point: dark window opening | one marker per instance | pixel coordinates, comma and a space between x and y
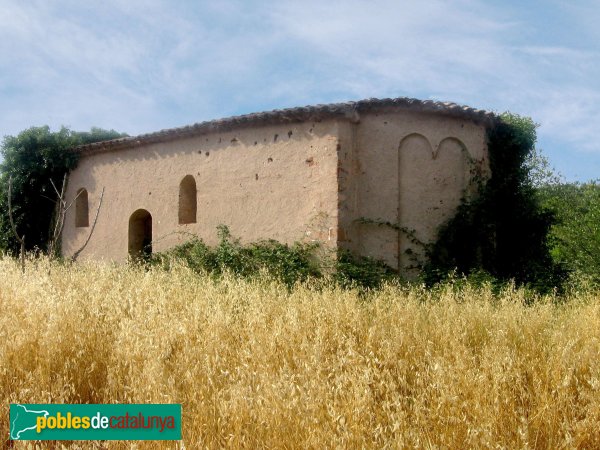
82, 216
187, 200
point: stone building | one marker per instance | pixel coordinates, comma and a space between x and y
374, 176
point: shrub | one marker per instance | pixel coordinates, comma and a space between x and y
289, 264
361, 271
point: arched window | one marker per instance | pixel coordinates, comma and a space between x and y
187, 200
140, 234
82, 216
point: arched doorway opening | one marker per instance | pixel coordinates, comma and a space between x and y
140, 234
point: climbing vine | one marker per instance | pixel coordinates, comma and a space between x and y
409, 233
503, 230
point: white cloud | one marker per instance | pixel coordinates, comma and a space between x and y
462, 51
143, 65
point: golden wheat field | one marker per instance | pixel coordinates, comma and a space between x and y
257, 366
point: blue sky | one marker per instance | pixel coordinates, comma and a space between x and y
143, 65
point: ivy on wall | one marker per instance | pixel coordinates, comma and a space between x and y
503, 230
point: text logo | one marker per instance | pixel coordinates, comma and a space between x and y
95, 422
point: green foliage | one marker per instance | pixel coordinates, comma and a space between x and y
575, 238
33, 159
363, 272
502, 231
288, 263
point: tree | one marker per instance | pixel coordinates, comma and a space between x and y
575, 237
540, 172
34, 159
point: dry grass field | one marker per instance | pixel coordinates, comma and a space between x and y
257, 366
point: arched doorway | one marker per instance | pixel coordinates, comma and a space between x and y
140, 234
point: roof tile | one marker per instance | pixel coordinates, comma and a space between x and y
347, 110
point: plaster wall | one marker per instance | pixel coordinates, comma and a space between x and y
277, 182
409, 170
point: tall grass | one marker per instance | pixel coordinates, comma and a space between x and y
256, 365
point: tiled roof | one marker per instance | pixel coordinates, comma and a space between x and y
348, 110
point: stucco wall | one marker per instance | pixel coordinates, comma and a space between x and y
303, 181
408, 169
274, 182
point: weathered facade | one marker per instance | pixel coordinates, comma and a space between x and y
374, 176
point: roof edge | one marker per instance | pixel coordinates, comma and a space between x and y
348, 110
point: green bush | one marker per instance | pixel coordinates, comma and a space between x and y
362, 272
288, 263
